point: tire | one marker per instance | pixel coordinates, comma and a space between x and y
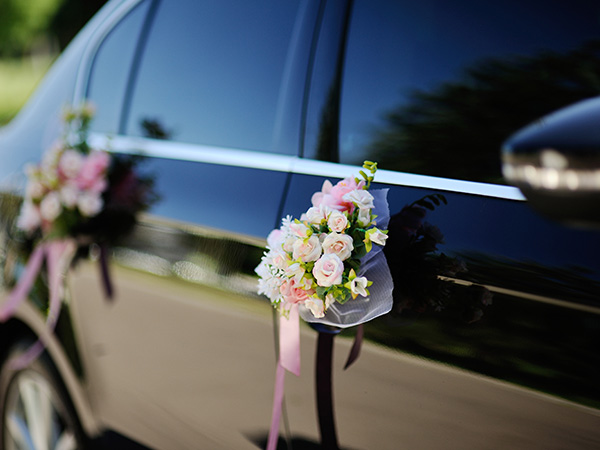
35, 411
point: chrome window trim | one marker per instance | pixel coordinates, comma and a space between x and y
98, 35
281, 163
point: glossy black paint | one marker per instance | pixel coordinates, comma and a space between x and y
538, 275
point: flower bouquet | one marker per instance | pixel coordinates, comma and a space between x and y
327, 267
76, 196
326, 262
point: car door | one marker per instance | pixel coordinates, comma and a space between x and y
482, 282
209, 95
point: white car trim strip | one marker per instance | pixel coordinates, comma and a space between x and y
282, 163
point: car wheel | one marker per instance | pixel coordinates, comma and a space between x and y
35, 410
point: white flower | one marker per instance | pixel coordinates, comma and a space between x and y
317, 214
360, 197
275, 239
316, 306
340, 245
328, 270
329, 300
280, 259
34, 190
358, 286
70, 163
300, 230
89, 204
307, 249
377, 236
69, 195
29, 218
50, 207
364, 217
337, 221
295, 271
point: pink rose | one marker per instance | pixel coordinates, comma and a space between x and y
340, 245
92, 174
294, 292
328, 270
332, 196
307, 250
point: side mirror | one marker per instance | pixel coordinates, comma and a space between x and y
555, 162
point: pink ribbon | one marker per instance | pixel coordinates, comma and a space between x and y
289, 359
58, 255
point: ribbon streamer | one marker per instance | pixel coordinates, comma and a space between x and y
104, 273
289, 359
356, 346
324, 391
58, 256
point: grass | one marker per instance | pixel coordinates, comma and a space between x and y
18, 79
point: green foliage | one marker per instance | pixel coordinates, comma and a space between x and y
23, 23
18, 78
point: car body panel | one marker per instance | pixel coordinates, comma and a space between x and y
184, 355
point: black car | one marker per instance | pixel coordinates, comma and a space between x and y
241, 110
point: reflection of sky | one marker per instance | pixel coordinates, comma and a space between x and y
398, 46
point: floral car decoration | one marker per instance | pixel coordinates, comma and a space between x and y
317, 262
327, 267
76, 196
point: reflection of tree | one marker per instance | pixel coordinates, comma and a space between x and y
417, 265
154, 129
461, 125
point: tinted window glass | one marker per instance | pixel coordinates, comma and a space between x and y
213, 71
111, 69
435, 87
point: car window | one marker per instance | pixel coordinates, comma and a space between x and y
434, 87
111, 70
213, 73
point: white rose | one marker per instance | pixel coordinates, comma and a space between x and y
275, 239
299, 229
317, 214
70, 163
328, 270
69, 195
307, 249
50, 207
360, 197
34, 190
295, 271
340, 245
316, 306
337, 221
89, 204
